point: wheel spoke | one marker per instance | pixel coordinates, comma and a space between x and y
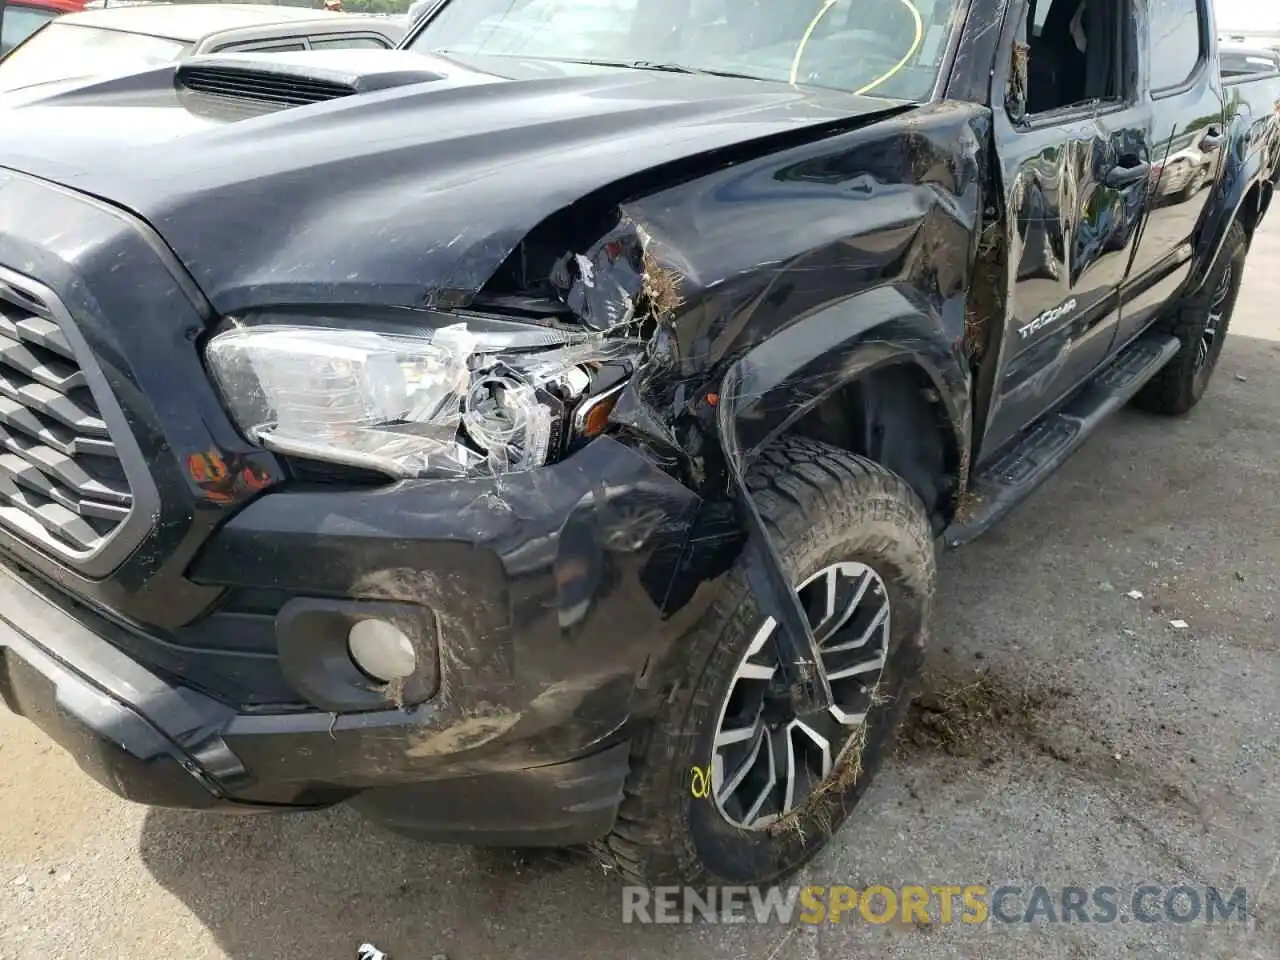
1223, 289
802, 742
857, 669
762, 635
753, 812
727, 787
833, 585
726, 737
823, 728
756, 671
821, 742
845, 718
878, 623
829, 630
789, 785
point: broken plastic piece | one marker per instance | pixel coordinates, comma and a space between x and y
368, 951
553, 367
1134, 594
505, 417
602, 285
1179, 624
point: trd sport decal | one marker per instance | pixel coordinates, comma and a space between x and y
1046, 318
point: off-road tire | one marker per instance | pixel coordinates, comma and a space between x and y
821, 505
1180, 385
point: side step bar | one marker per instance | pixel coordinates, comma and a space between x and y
1026, 462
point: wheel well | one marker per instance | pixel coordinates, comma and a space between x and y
893, 415
1255, 206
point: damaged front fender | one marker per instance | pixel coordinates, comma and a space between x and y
778, 383
800, 273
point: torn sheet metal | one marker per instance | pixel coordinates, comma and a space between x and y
799, 659
856, 257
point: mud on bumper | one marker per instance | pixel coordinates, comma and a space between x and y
163, 745
526, 739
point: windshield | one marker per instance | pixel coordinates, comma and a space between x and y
64, 51
889, 48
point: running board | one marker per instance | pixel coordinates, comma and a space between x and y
1039, 450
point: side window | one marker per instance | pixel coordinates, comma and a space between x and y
20, 23
1038, 18
277, 47
348, 43
1175, 40
265, 46
1074, 54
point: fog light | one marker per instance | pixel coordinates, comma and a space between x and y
382, 650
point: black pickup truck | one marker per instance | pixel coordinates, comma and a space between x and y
542, 434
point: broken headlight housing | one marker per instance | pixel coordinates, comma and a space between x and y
449, 401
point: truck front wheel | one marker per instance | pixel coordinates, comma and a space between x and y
1201, 326
728, 785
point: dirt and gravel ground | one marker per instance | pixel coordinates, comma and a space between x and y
1068, 735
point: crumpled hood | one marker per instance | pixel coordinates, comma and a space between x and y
398, 197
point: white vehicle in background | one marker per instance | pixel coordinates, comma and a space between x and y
130, 37
1242, 61
1254, 23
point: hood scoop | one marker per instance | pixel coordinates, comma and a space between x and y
293, 80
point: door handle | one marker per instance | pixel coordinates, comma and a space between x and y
1212, 138
1127, 175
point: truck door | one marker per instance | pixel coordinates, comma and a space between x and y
1072, 142
1187, 135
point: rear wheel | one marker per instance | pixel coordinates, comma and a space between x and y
1194, 185
773, 787
1201, 326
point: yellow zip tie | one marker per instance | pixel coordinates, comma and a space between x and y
813, 25
808, 32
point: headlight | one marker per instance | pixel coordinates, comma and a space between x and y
441, 402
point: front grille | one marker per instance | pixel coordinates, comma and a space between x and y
62, 484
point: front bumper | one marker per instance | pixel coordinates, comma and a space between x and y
526, 740
175, 755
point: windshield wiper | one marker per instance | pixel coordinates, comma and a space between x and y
656, 66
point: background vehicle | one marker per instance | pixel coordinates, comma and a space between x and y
21, 18
1242, 61
120, 40
1189, 167
1248, 22
496, 431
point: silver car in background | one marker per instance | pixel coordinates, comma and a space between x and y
126, 39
